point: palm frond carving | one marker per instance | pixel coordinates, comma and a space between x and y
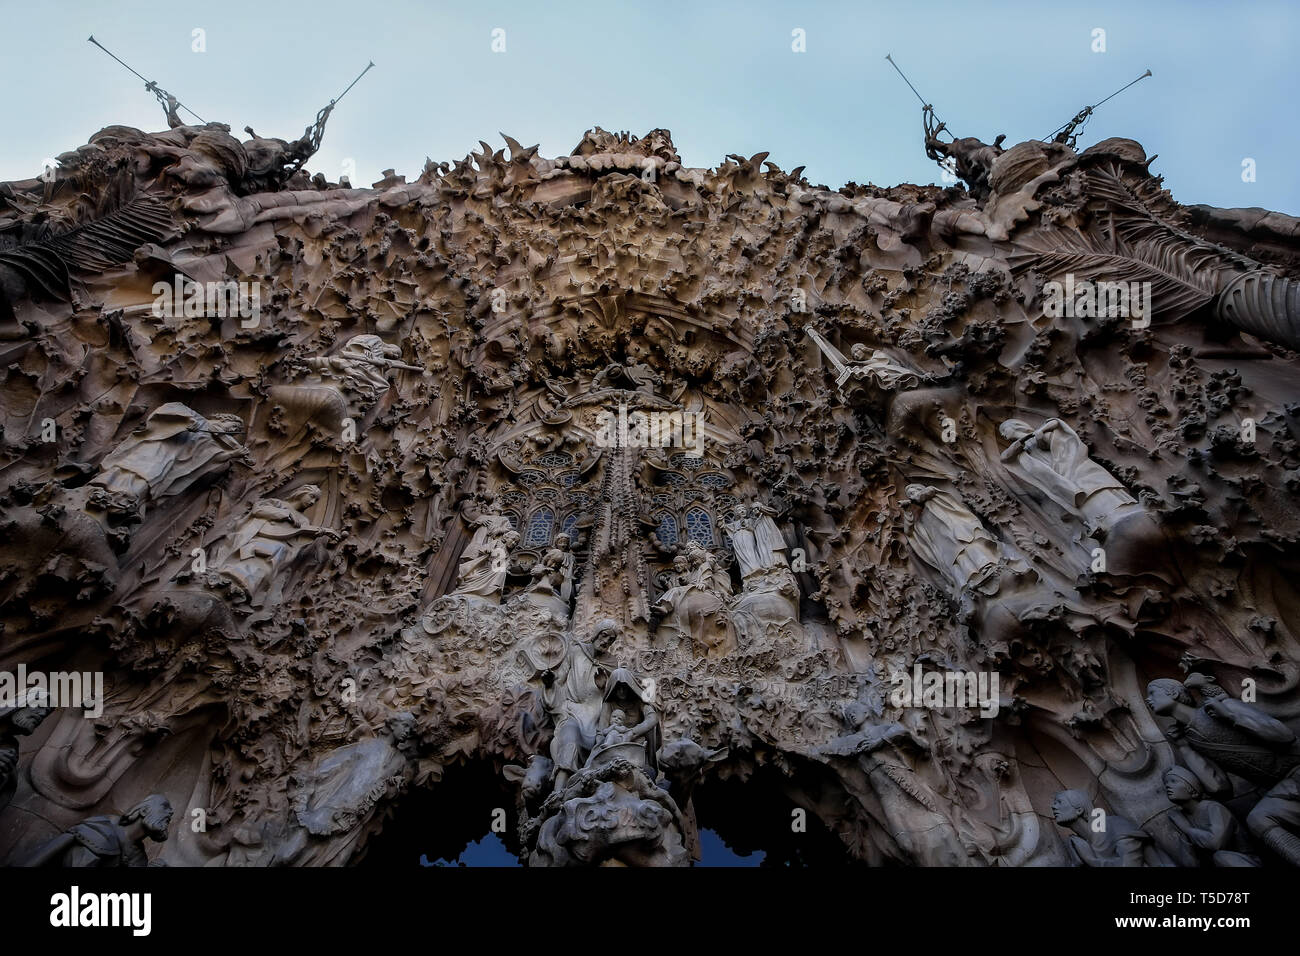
45, 265
1184, 276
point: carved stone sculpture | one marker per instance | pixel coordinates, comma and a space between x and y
110, 840
1093, 498
694, 609
266, 541
1208, 825
1054, 460
1105, 840
946, 535
15, 722
176, 448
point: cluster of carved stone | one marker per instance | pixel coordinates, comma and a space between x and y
382, 531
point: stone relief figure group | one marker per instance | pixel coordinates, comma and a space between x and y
1229, 755
248, 558
629, 300
1053, 465
699, 606
1215, 739
597, 798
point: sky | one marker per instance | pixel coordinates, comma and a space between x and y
490, 851
724, 77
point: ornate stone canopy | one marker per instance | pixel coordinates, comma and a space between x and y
626, 481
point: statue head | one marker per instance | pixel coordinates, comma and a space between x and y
224, 423
510, 539
1069, 805
304, 497
1013, 429
915, 492
616, 718
367, 347
562, 541
858, 352
680, 563
1181, 785
1164, 693
154, 813
606, 632
740, 512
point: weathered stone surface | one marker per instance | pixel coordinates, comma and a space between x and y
625, 479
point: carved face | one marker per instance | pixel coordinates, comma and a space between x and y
1163, 695
741, 512
1013, 429
155, 814
605, 634
616, 719
1068, 806
225, 424
1178, 788
306, 496
562, 542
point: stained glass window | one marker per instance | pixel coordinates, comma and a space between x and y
699, 527
546, 494
672, 478
555, 459
713, 480
531, 477
570, 527
667, 529
687, 462
539, 528
513, 519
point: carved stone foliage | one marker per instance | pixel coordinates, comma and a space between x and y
964, 519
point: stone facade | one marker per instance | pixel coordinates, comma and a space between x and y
965, 520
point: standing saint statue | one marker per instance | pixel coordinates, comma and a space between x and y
755, 539
947, 535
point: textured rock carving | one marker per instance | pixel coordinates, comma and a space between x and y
620, 482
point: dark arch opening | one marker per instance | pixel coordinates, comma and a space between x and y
749, 824
449, 824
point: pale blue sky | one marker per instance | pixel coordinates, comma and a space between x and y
720, 75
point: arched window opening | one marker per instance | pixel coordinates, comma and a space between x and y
667, 530
699, 527
539, 528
